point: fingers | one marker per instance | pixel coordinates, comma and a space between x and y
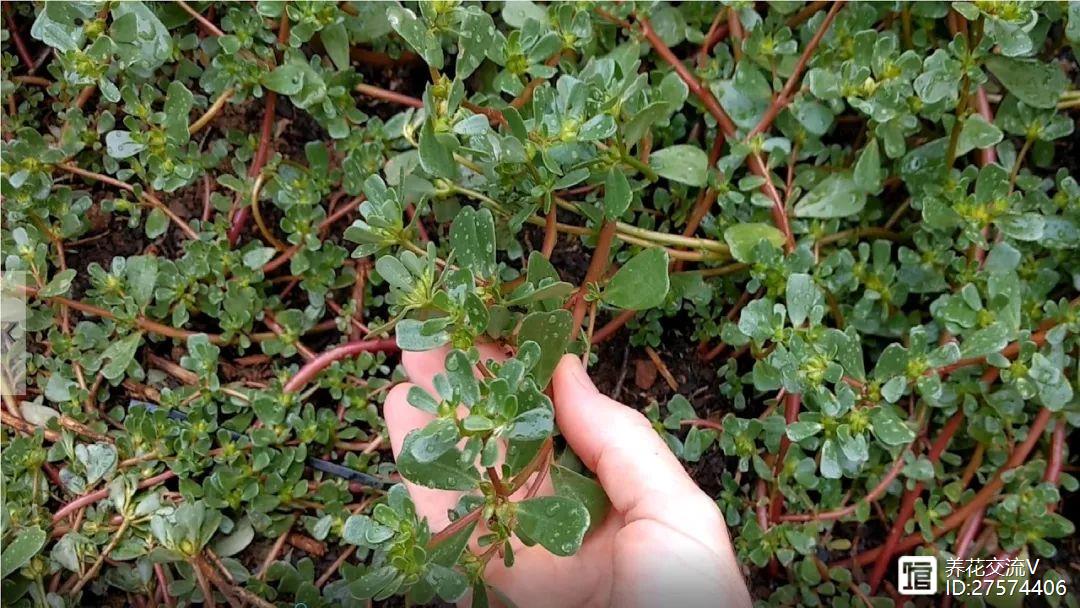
658, 567
401, 419
423, 366
641, 476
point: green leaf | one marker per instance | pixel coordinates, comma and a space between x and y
516, 13
617, 194
157, 222
477, 34
802, 296
532, 425
746, 96
584, 489
867, 173
988, 340
1034, 82
287, 79
422, 400
59, 284
889, 428
373, 582
551, 332
119, 356
742, 238
472, 237
681, 163
434, 440
335, 40
152, 39
831, 458
558, 523
23, 547
59, 24
178, 103
444, 473
449, 551
641, 283
237, 541
416, 34
141, 275
977, 133
97, 459
363, 531
120, 145
797, 431
450, 584
415, 335
436, 157
644, 120
1022, 226
835, 196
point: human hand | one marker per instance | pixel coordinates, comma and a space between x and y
663, 543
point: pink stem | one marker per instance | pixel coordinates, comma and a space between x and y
93, 497
321, 362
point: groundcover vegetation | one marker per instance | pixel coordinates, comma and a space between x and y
829, 250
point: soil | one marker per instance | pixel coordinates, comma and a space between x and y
617, 371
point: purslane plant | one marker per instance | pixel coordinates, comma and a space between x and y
851, 230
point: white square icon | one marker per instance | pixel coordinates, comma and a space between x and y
917, 575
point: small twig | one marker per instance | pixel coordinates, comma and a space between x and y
597, 267
163, 585
212, 111
20, 46
390, 96
662, 368
203, 21
94, 497
312, 368
335, 566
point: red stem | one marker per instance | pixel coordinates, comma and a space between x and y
985, 495
595, 272
312, 368
93, 497
727, 127
1051, 475
20, 46
613, 326
551, 234
968, 534
873, 495
717, 31
907, 503
735, 30
792, 404
786, 93
390, 96
240, 220
163, 584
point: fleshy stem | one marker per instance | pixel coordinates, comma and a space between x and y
597, 267
146, 195
726, 125
1016, 458
240, 219
312, 368
907, 503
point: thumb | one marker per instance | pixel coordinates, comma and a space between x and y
640, 475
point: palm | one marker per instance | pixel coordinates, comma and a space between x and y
663, 543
